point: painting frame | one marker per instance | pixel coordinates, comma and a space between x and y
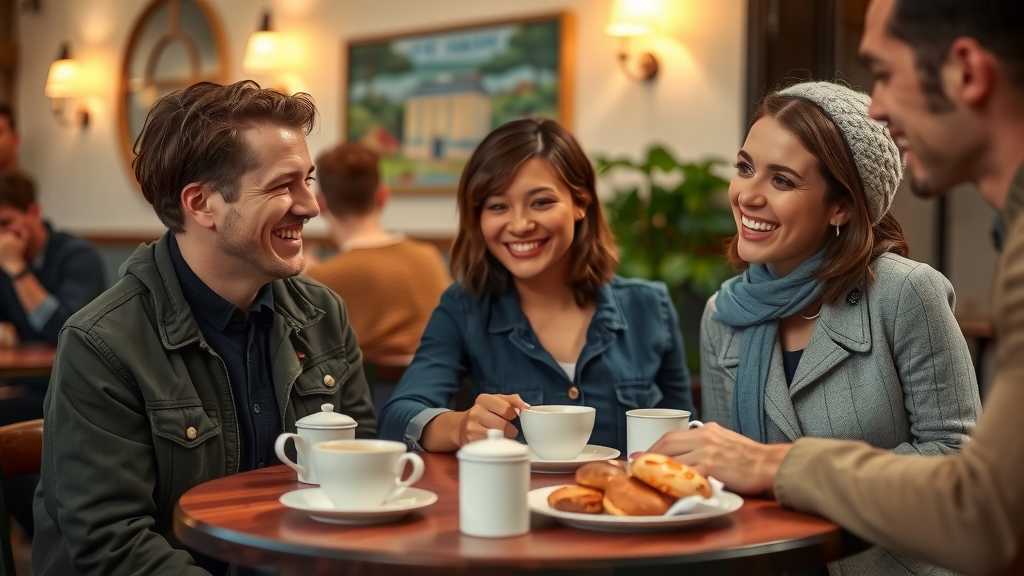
405, 184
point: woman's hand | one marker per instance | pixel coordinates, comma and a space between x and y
490, 411
744, 465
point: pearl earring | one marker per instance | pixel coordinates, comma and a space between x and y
837, 230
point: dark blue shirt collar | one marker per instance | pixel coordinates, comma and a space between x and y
507, 313
208, 306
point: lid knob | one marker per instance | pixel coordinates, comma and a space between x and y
327, 407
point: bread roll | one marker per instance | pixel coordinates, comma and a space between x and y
669, 477
577, 499
631, 497
599, 474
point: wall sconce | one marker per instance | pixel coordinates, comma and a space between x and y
263, 50
64, 85
632, 19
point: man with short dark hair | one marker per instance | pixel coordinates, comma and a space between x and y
48, 275
949, 81
208, 346
390, 283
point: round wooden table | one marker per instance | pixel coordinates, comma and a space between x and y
239, 519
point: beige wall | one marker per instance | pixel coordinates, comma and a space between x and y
695, 106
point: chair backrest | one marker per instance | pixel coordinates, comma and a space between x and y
21, 447
383, 374
21, 452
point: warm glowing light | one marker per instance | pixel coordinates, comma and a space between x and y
635, 17
263, 53
64, 79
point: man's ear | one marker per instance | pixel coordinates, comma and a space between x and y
381, 196
969, 73
34, 210
197, 204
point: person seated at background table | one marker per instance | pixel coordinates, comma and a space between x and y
48, 274
831, 331
537, 315
389, 283
206, 349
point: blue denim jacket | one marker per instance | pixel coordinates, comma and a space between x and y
633, 358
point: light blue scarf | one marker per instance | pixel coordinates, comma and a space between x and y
752, 303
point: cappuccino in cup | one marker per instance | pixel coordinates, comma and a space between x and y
364, 474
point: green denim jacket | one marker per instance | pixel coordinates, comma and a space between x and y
140, 409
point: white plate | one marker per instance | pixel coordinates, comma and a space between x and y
538, 500
315, 503
592, 453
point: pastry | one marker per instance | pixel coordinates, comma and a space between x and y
599, 474
631, 497
669, 477
577, 499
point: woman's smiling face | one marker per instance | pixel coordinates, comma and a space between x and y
530, 226
779, 199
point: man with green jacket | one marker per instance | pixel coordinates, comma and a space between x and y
205, 350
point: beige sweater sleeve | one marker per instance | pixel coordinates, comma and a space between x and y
966, 511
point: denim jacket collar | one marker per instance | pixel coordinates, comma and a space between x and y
508, 313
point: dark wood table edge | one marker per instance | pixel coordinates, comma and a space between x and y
259, 552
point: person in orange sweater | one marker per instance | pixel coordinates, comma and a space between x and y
390, 283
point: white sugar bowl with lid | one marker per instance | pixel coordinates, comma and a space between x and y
494, 479
314, 428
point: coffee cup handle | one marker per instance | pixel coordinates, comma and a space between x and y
414, 476
279, 445
695, 424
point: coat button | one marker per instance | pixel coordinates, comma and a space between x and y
328, 380
191, 433
574, 393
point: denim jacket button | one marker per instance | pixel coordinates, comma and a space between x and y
574, 393
191, 433
328, 380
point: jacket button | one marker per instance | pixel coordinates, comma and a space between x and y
191, 433
328, 380
574, 393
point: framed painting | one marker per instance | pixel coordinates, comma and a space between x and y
424, 100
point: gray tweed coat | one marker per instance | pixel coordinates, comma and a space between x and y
887, 364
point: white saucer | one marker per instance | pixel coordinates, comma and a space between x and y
315, 503
592, 453
538, 500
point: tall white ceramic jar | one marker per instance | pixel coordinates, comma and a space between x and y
494, 479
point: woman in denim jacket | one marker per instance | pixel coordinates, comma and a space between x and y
537, 315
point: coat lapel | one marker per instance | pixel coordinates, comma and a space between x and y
844, 328
778, 403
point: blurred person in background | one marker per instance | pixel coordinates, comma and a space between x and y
9, 139
389, 283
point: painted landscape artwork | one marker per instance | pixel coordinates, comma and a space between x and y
424, 101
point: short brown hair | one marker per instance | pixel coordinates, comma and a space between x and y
194, 135
491, 170
17, 190
349, 178
848, 256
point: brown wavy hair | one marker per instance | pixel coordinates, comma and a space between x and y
195, 135
491, 170
848, 257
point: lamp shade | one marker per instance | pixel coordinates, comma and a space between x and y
63, 80
263, 52
634, 17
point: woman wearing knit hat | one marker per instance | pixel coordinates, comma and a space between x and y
830, 331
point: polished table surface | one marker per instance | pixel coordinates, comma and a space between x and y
239, 519
27, 360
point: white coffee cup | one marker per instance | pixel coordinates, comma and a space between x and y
360, 474
557, 432
645, 426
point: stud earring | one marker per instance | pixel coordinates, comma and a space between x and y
837, 230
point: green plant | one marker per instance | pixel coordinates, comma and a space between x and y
670, 222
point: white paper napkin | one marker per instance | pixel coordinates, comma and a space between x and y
698, 503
